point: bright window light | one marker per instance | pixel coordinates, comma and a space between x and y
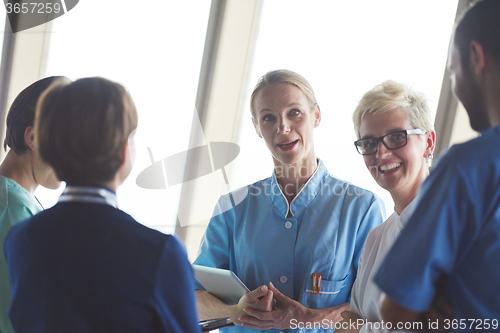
3, 18
155, 50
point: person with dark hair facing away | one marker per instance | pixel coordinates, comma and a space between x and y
84, 265
452, 241
21, 172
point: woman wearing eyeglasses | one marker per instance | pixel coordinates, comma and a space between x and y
397, 139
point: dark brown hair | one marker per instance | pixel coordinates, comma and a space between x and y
22, 114
481, 23
82, 127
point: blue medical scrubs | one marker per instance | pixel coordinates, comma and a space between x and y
16, 205
454, 232
331, 219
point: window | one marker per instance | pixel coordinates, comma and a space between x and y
3, 19
154, 49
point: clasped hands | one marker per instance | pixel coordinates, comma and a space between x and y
257, 309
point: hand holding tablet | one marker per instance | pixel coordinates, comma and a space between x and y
221, 283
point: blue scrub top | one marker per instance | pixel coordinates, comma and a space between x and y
331, 219
454, 231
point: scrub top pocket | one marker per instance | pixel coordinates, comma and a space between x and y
328, 292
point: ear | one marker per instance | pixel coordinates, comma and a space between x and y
431, 143
477, 60
257, 130
317, 116
124, 154
29, 137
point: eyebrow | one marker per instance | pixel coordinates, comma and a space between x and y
397, 129
287, 106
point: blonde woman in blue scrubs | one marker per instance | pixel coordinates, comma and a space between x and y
298, 222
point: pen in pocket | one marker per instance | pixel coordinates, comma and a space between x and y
316, 283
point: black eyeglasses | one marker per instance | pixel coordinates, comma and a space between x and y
391, 141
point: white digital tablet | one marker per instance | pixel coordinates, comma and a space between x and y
221, 283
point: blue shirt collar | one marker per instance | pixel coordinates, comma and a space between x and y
305, 196
490, 131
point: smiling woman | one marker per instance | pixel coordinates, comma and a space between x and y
397, 140
401, 168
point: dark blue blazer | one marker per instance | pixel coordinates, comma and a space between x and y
85, 267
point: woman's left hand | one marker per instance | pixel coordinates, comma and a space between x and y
279, 318
349, 324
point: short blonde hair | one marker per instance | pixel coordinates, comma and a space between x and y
283, 76
390, 95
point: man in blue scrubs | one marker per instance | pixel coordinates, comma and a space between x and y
454, 235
